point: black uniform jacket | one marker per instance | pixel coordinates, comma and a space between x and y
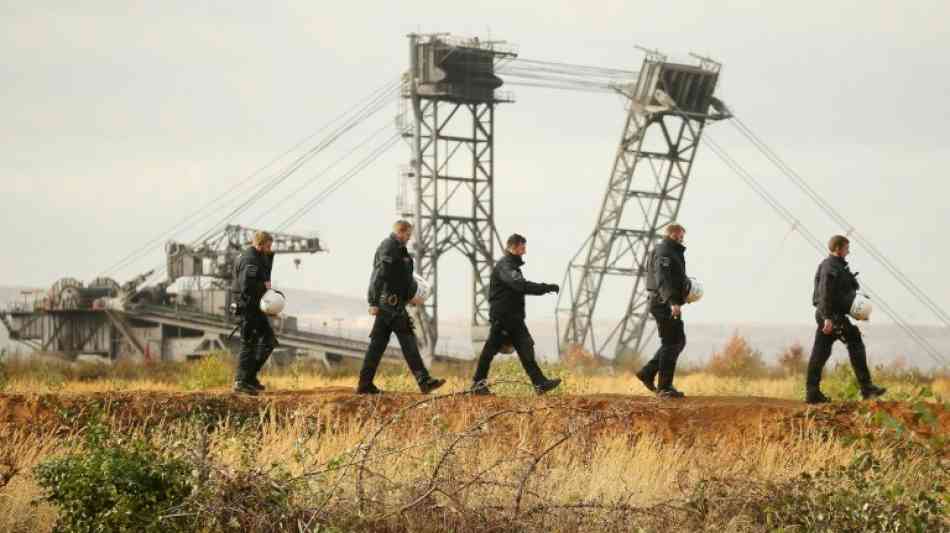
667, 273
508, 287
251, 271
392, 275
835, 288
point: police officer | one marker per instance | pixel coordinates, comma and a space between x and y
669, 286
252, 273
507, 290
835, 290
391, 288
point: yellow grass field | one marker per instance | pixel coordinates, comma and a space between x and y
739, 454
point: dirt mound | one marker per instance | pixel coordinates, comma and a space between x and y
707, 419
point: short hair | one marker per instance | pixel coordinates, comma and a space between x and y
515, 240
837, 242
261, 238
401, 224
674, 228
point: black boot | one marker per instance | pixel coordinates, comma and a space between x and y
256, 383
547, 385
815, 396
368, 389
669, 393
646, 379
242, 387
429, 384
872, 391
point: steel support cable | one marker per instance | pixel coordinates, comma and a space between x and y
570, 85
816, 243
354, 171
342, 180
295, 193
560, 80
549, 79
571, 66
369, 110
205, 209
829, 210
562, 76
378, 103
513, 70
599, 90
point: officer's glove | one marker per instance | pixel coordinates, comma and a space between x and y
553, 287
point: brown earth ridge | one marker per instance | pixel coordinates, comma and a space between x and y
701, 420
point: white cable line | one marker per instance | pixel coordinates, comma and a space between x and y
829, 210
339, 182
205, 210
378, 103
816, 243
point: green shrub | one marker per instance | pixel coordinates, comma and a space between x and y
841, 384
211, 371
89, 371
856, 497
862, 496
113, 485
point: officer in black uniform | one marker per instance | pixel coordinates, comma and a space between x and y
835, 289
391, 288
669, 286
252, 273
506, 298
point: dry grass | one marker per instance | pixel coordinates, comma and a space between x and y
613, 467
462, 461
584, 382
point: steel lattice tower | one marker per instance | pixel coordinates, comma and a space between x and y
668, 108
449, 189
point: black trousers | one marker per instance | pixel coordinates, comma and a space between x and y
257, 343
389, 321
850, 335
513, 330
672, 342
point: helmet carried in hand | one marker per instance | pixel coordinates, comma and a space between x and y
423, 289
861, 307
695, 292
272, 303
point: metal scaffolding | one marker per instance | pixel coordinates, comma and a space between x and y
668, 108
449, 187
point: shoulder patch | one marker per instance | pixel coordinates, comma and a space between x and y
665, 262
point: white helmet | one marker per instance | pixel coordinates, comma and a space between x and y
861, 307
423, 289
272, 303
695, 292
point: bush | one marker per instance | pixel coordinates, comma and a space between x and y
857, 497
246, 499
113, 485
580, 361
841, 384
862, 496
211, 371
737, 359
793, 361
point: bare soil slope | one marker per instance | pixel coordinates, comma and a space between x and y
699, 420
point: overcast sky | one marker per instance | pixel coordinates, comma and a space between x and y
121, 118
